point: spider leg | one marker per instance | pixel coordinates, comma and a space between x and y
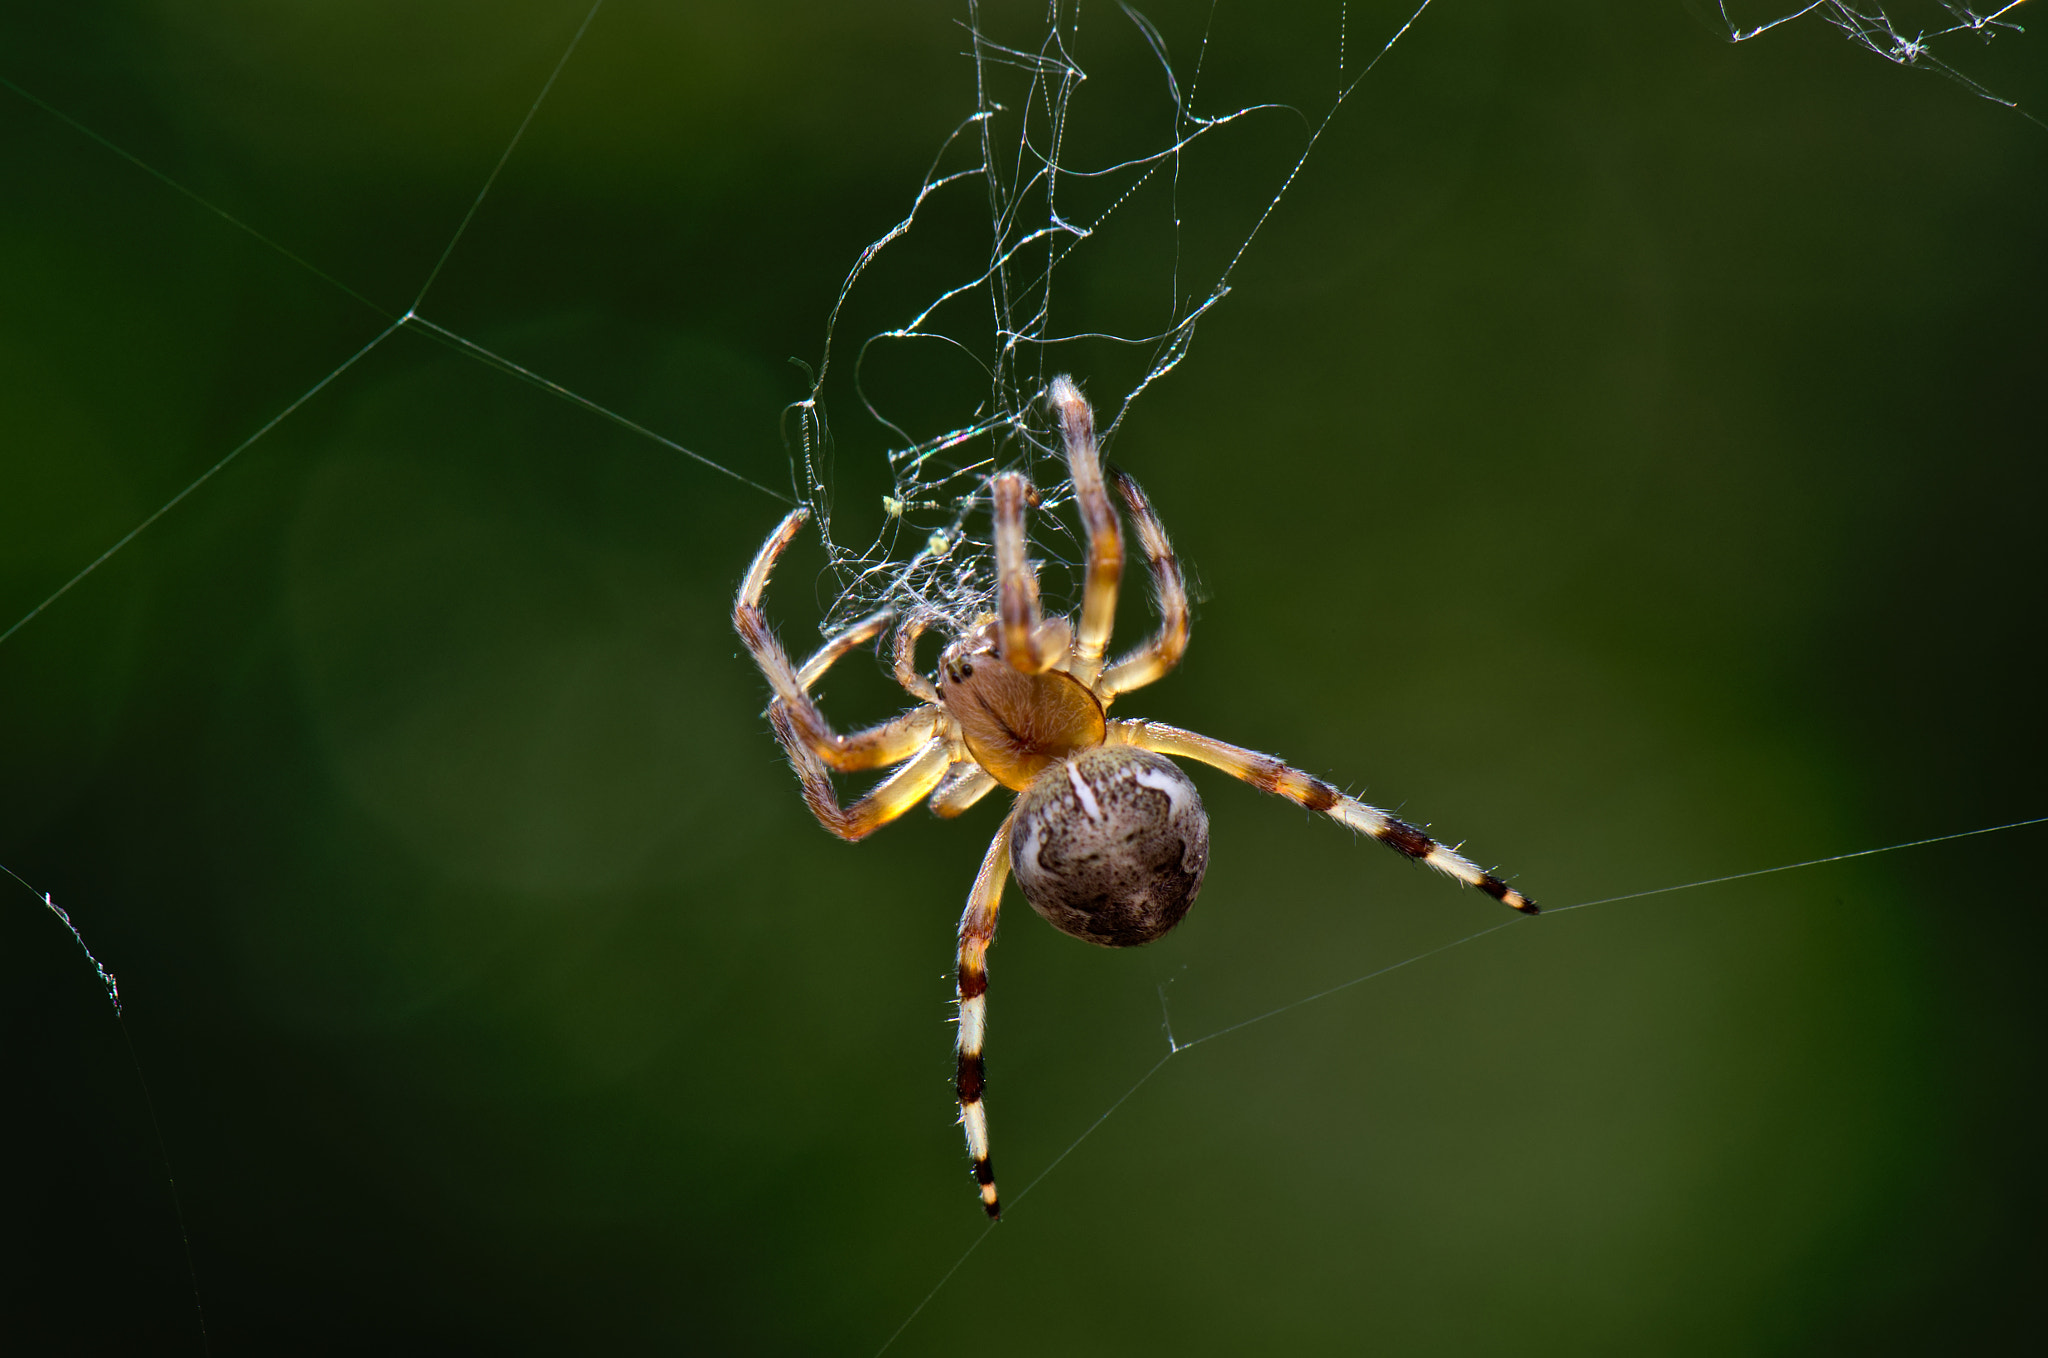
887, 742
1098, 517
1268, 774
966, 784
1055, 642
1152, 660
882, 803
904, 659
977, 930
836, 647
1017, 608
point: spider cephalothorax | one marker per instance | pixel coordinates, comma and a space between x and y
1108, 838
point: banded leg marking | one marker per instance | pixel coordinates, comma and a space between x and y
977, 931
1098, 518
1017, 606
1268, 774
1164, 651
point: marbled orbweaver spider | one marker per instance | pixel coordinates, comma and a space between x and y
1108, 837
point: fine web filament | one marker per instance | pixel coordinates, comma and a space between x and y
927, 471
156, 1131
410, 318
1175, 1047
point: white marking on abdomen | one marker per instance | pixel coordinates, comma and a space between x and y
1176, 789
1085, 793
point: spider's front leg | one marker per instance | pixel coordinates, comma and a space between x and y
1098, 518
1164, 650
903, 658
1019, 615
839, 645
885, 743
977, 930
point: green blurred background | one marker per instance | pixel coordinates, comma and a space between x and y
1622, 450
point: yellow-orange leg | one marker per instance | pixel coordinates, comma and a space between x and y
1163, 651
888, 799
837, 646
1017, 608
1268, 774
885, 743
903, 661
977, 930
966, 784
1098, 518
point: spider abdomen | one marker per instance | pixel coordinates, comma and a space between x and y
1110, 845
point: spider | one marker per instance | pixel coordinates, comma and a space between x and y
1108, 838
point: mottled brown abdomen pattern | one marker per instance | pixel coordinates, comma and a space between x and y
1110, 845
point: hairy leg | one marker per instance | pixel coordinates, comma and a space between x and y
1268, 774
1152, 660
1017, 608
966, 784
884, 802
903, 659
1098, 517
977, 930
838, 646
886, 743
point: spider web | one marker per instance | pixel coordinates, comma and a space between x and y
1068, 198
1920, 42
1043, 201
1064, 200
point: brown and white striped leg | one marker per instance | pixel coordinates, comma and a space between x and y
1268, 774
1098, 518
977, 930
1162, 652
885, 743
888, 799
1017, 608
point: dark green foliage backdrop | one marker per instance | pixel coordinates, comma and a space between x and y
1622, 449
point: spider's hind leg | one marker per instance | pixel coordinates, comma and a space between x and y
977, 931
1268, 774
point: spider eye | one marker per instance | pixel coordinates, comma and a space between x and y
1110, 845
